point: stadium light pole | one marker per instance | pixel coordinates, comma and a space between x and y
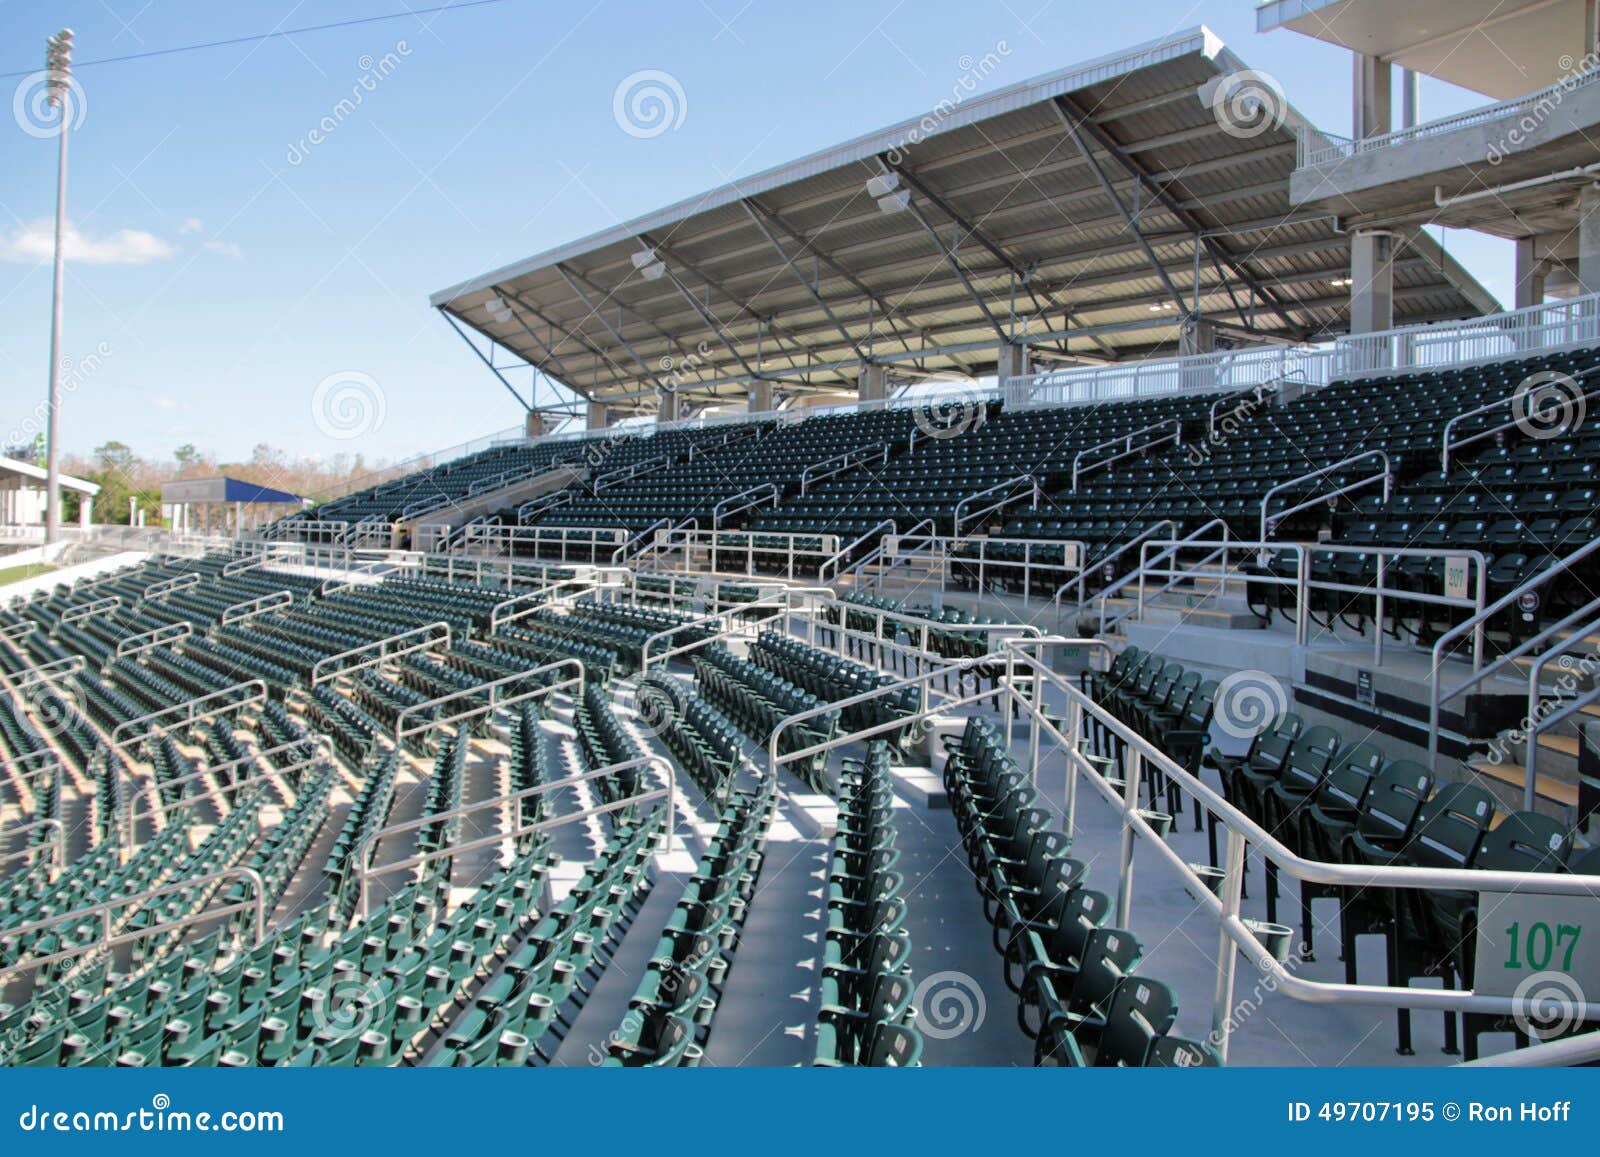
58, 65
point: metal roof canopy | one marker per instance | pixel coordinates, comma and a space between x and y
1078, 213
224, 490
1501, 48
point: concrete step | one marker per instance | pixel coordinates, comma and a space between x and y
1514, 775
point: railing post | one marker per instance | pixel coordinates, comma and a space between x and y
1074, 758
1227, 951
1132, 773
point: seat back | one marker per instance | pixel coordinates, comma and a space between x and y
894, 1046
1451, 826
1176, 1052
1141, 1010
1525, 842
1390, 808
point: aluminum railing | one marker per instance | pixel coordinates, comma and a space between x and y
839, 463
1270, 520
47, 672
250, 608
1540, 721
1104, 564
107, 605
428, 637
523, 605
56, 848
1475, 626
492, 698
1017, 488
304, 754
1242, 405
167, 586
832, 566
1575, 404
104, 912
361, 856
237, 697
1126, 449
746, 547
160, 637
728, 619
1236, 937
588, 541
1169, 550
744, 500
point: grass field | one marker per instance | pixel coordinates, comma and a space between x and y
16, 574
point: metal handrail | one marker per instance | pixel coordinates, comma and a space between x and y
843, 554
1446, 445
1258, 393
639, 543
167, 586
190, 713
1387, 478
721, 511
56, 847
1128, 448
734, 613
425, 638
90, 609
1583, 1049
362, 854
1475, 624
320, 747
105, 908
525, 604
844, 462
625, 473
145, 640
1083, 577
1241, 830
1008, 484
47, 672
16, 632
1538, 724
250, 608
493, 702
1170, 550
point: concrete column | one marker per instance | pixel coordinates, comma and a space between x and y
1410, 98
1530, 274
1012, 362
1197, 336
534, 425
873, 383
599, 419
85, 511
1373, 112
1589, 239
759, 398
1371, 282
671, 406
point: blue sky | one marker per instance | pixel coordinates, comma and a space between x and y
227, 265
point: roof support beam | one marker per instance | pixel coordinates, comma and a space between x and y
1072, 115
611, 329
716, 326
567, 334
755, 219
493, 369
955, 265
1127, 216
1024, 277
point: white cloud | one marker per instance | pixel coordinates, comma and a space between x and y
224, 248
34, 244
190, 225
163, 402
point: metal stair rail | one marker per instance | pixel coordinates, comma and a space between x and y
495, 694
1173, 434
839, 463
1269, 523
250, 608
639, 543
1169, 550
237, 697
832, 566
1019, 487
1523, 396
362, 856
56, 848
428, 637
729, 619
103, 912
160, 637
304, 753
1103, 564
167, 586
744, 500
1540, 721
108, 605
1475, 625
1235, 936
